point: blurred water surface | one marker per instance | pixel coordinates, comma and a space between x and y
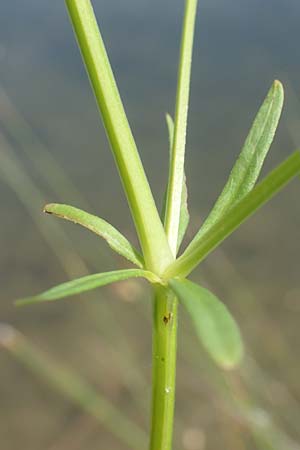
47, 112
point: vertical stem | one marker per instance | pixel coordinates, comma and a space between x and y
150, 230
164, 368
165, 302
176, 174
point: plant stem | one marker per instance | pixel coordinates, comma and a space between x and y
164, 368
150, 230
164, 346
176, 174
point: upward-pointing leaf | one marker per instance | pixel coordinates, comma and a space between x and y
263, 192
87, 283
184, 213
99, 226
247, 168
176, 172
170, 125
214, 325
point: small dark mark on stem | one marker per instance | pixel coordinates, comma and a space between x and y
167, 318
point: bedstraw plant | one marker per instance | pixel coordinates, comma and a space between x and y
160, 236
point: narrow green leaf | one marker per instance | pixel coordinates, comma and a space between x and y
170, 125
149, 227
248, 166
184, 213
263, 192
214, 325
176, 173
87, 283
99, 226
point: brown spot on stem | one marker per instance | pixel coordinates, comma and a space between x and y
167, 318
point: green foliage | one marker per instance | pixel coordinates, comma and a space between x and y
184, 217
153, 240
113, 237
176, 172
239, 199
214, 325
264, 191
247, 168
87, 283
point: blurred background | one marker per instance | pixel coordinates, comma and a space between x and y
53, 148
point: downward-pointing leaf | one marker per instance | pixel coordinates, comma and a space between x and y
87, 283
99, 226
214, 325
248, 166
263, 192
184, 213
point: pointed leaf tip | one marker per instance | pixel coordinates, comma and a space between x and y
263, 192
113, 237
214, 325
247, 168
87, 283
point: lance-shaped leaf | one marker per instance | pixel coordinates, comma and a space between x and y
214, 325
87, 283
184, 213
99, 226
263, 192
248, 166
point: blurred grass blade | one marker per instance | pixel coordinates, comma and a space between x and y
99, 226
248, 165
214, 325
72, 386
17, 127
149, 227
87, 283
176, 172
32, 197
184, 213
263, 192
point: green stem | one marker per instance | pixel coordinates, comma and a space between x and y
164, 368
176, 174
150, 230
165, 302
